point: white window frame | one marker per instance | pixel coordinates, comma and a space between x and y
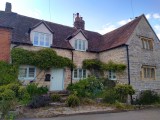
111, 74
80, 45
44, 39
78, 74
27, 73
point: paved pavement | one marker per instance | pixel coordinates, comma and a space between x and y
151, 114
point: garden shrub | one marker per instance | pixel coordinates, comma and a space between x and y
32, 89
14, 87
123, 90
110, 96
23, 95
148, 97
8, 73
42, 90
39, 101
72, 101
55, 97
7, 95
88, 87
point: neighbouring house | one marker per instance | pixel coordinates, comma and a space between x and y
135, 44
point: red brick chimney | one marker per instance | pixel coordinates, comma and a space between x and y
79, 23
5, 36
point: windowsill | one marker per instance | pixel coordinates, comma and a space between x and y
80, 50
147, 49
27, 78
42, 46
148, 79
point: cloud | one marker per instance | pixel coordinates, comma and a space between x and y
123, 22
148, 16
156, 16
157, 29
107, 28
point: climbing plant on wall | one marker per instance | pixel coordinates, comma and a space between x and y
98, 65
43, 59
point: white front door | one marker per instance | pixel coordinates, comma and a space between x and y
57, 79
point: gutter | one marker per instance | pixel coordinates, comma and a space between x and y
129, 81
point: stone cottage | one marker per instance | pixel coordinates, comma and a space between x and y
135, 44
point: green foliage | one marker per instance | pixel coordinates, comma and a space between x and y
148, 97
72, 101
14, 87
88, 87
42, 90
23, 95
123, 90
6, 105
110, 96
108, 83
55, 97
34, 90
7, 95
43, 59
98, 65
8, 73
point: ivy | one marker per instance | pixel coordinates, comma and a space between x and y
98, 65
8, 73
43, 59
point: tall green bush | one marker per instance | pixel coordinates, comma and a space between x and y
123, 90
88, 87
8, 73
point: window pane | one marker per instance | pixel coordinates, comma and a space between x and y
75, 74
152, 73
76, 44
84, 74
80, 73
145, 72
35, 41
41, 39
83, 45
47, 40
80, 45
23, 72
148, 72
31, 72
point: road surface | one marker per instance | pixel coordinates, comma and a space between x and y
151, 114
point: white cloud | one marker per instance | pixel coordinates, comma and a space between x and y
157, 29
156, 16
123, 22
106, 28
148, 16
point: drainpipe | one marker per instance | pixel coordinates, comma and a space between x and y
71, 67
129, 82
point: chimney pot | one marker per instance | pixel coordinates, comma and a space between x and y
8, 7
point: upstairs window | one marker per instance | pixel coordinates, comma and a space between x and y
148, 73
147, 43
41, 39
80, 45
111, 75
27, 73
79, 74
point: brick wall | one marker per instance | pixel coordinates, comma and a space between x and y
5, 36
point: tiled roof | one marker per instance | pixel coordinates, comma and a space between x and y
96, 42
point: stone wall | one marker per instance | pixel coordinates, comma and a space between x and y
117, 55
78, 58
139, 56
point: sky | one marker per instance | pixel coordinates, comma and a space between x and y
99, 15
